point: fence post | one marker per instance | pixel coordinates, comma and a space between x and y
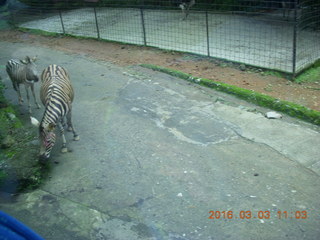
95, 16
143, 27
294, 52
63, 30
207, 29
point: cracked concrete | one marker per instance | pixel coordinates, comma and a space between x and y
157, 154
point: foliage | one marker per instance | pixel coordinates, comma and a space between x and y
310, 15
310, 9
19, 169
223, 5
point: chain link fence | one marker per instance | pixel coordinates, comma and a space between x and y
278, 35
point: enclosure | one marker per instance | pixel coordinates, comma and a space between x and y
161, 157
279, 35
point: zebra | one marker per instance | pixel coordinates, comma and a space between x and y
23, 72
56, 94
288, 6
185, 6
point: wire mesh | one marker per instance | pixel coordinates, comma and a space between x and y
281, 35
308, 34
174, 34
120, 24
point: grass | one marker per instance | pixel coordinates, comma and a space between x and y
273, 73
310, 75
19, 168
289, 108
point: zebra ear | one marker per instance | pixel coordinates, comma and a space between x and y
28, 59
34, 59
25, 61
35, 122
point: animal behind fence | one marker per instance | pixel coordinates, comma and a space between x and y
185, 6
23, 72
57, 95
288, 6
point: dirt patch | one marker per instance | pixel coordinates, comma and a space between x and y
306, 94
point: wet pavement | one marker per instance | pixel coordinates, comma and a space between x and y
161, 158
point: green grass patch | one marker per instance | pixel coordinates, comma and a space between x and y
54, 34
8, 119
273, 73
3, 174
292, 109
39, 32
310, 75
19, 168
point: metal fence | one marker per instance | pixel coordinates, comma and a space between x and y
279, 35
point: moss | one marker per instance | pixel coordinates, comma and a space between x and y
273, 73
34, 177
3, 176
19, 168
54, 34
292, 109
39, 32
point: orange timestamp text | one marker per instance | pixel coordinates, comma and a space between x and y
247, 214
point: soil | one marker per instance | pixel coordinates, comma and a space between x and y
306, 94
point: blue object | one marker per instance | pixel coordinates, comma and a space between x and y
12, 229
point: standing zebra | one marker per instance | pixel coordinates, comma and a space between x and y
288, 6
23, 72
56, 94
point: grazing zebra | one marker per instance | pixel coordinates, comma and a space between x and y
185, 6
23, 72
56, 94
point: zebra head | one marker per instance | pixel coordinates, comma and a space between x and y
30, 69
47, 137
47, 140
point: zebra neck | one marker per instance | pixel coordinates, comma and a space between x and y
49, 117
55, 110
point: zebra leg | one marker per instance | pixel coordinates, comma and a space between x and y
28, 99
187, 13
184, 13
71, 128
63, 122
20, 99
34, 96
64, 148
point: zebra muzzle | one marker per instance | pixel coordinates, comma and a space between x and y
43, 157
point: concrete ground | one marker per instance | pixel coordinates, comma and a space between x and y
160, 158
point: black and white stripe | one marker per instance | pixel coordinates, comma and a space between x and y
56, 94
23, 72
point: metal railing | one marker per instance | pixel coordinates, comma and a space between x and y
279, 35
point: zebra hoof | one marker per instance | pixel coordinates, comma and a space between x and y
76, 138
64, 150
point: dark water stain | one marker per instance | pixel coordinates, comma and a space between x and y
142, 230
